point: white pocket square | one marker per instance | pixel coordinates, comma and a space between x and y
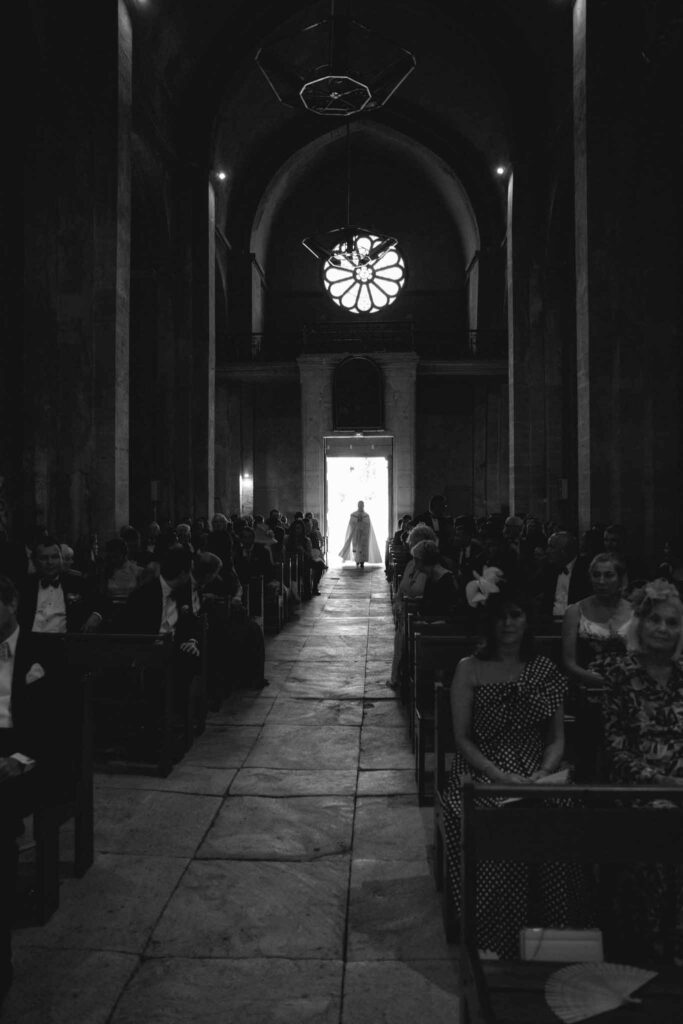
35, 672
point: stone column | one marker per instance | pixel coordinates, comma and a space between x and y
77, 272
203, 424
400, 374
525, 352
627, 185
111, 268
315, 374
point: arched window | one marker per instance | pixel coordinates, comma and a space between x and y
358, 395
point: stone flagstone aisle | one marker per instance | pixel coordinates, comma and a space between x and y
280, 874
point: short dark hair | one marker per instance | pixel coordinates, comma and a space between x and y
9, 594
174, 562
47, 541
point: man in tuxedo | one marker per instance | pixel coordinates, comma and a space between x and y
34, 738
55, 600
154, 606
565, 578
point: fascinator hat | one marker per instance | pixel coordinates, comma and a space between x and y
478, 590
643, 600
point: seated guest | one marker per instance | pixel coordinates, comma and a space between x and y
440, 594
512, 534
184, 535
55, 601
220, 541
153, 606
245, 647
441, 523
149, 548
298, 542
494, 552
413, 578
252, 560
643, 723
412, 585
68, 556
120, 577
35, 732
133, 543
466, 549
565, 578
614, 540
671, 566
596, 626
507, 707
14, 558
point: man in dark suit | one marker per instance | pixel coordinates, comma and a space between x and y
34, 739
167, 604
565, 578
442, 524
53, 600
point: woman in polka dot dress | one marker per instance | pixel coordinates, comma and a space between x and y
507, 707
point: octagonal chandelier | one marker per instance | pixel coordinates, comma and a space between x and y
335, 67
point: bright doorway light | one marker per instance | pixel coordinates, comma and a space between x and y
350, 480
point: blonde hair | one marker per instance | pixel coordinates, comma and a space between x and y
643, 600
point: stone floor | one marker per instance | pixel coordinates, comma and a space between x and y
280, 873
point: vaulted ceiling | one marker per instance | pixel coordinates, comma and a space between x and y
485, 72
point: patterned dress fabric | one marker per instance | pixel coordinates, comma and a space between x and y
599, 641
643, 722
508, 726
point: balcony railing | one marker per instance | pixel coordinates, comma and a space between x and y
362, 336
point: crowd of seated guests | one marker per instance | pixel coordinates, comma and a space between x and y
617, 625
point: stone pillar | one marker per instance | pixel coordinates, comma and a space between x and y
315, 374
111, 276
627, 185
400, 375
77, 272
203, 423
525, 352
222, 451
536, 414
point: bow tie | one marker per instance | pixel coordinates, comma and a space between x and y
5, 653
50, 583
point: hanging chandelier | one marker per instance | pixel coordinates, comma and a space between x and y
362, 271
335, 67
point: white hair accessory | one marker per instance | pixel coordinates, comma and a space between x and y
482, 586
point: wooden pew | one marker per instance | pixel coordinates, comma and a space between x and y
435, 658
601, 825
73, 800
131, 674
274, 609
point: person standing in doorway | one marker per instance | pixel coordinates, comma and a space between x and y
360, 538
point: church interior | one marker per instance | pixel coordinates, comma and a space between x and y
267, 246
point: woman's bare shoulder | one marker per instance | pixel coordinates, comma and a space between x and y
465, 671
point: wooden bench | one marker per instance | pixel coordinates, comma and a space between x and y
601, 825
435, 658
444, 749
72, 801
131, 674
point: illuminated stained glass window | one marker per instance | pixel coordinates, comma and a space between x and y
361, 284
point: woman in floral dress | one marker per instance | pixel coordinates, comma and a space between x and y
643, 722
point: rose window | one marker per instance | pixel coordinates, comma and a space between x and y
358, 281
